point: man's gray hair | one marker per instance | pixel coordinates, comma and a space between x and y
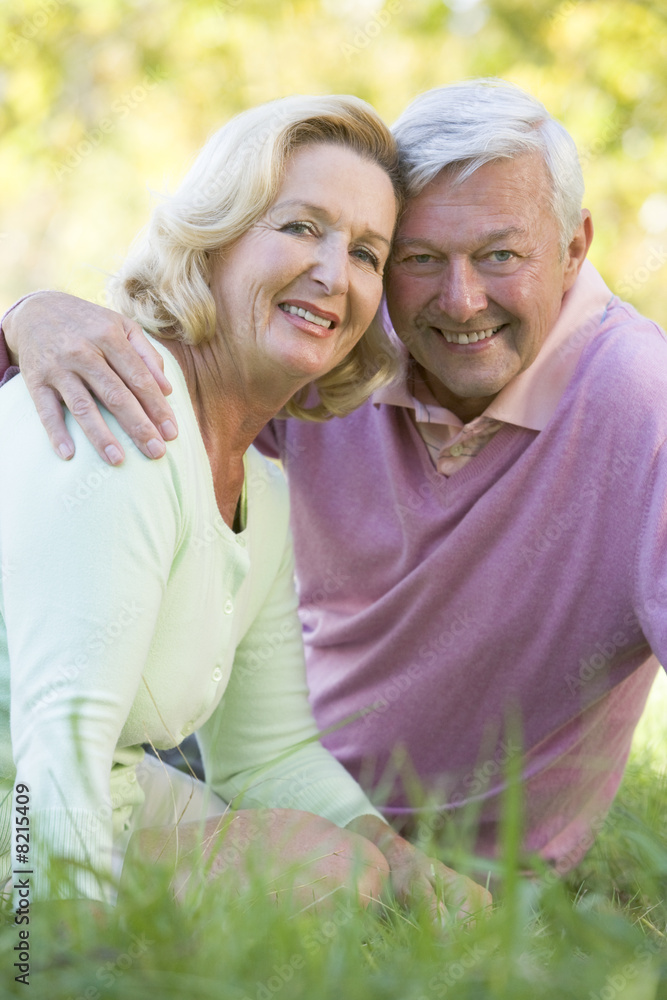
466, 125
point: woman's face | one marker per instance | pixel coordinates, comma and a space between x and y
295, 293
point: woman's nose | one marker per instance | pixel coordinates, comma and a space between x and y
332, 267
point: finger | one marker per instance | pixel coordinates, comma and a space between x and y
151, 358
112, 392
77, 398
152, 413
465, 898
427, 893
50, 412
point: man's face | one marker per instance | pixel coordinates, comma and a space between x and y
476, 280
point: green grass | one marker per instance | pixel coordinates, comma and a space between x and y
600, 933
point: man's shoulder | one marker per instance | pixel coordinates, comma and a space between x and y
619, 386
628, 348
622, 313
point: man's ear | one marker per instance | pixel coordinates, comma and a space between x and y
575, 255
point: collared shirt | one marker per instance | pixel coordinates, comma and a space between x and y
528, 400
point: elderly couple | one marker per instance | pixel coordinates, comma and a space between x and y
481, 538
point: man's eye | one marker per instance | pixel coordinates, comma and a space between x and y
299, 228
421, 258
501, 255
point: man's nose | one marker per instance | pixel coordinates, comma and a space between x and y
462, 295
332, 267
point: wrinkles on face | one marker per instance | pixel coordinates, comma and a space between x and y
478, 256
319, 249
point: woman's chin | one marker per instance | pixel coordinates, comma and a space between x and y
306, 362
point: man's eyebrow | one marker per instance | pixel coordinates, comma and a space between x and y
320, 210
413, 241
502, 234
484, 239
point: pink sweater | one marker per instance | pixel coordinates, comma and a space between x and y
533, 580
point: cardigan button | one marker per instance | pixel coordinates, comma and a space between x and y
229, 607
217, 674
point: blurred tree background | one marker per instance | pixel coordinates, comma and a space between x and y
106, 101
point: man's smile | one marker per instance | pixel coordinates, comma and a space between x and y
470, 336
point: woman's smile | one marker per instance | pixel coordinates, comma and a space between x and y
306, 316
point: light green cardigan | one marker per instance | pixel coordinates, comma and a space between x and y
131, 613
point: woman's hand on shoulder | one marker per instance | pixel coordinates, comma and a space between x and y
71, 351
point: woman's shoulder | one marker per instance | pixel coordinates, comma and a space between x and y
33, 472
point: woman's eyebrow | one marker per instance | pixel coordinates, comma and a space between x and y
321, 210
297, 203
371, 234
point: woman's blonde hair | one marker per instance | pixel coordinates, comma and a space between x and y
163, 284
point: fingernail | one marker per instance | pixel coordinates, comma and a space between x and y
168, 430
65, 450
156, 448
113, 454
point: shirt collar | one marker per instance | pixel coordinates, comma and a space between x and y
531, 397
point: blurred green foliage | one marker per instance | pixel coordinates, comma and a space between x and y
104, 102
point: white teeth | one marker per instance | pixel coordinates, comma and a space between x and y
469, 338
306, 314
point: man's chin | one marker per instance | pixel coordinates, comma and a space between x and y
465, 395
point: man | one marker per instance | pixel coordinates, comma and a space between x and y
482, 548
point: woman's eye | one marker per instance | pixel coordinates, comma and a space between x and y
299, 228
367, 256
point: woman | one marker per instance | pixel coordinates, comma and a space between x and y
133, 601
